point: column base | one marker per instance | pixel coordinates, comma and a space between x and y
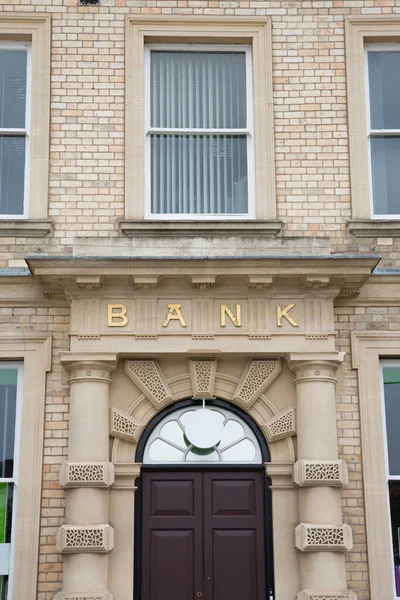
326, 595
83, 596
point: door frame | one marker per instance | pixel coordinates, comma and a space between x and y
162, 468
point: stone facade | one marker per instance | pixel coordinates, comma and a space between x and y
86, 205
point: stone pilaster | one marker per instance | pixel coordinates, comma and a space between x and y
87, 537
321, 537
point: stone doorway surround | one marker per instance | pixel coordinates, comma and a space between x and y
281, 372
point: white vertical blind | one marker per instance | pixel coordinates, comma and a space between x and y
198, 132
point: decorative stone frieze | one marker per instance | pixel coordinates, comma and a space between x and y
150, 379
257, 376
124, 426
281, 425
320, 472
86, 474
331, 538
202, 374
85, 538
83, 596
326, 595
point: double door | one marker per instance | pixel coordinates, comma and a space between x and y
203, 535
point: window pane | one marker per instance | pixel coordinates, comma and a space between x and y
198, 174
3, 587
391, 379
8, 400
6, 498
12, 173
198, 89
384, 89
385, 158
12, 88
394, 498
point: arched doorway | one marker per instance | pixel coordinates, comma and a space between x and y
203, 516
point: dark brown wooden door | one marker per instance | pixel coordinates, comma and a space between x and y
203, 536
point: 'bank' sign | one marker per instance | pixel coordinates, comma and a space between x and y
118, 315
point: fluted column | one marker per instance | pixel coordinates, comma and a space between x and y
87, 537
321, 536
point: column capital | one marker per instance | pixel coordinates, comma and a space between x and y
88, 366
315, 366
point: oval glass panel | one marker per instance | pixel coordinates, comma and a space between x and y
233, 431
172, 432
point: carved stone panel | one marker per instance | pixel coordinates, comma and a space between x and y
202, 374
326, 595
330, 538
85, 538
124, 426
149, 378
281, 425
257, 376
320, 472
83, 596
86, 474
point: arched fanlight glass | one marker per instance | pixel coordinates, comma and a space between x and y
202, 435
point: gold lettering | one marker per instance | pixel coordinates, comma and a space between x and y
174, 314
117, 319
284, 313
237, 321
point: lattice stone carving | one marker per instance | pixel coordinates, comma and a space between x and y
83, 596
281, 425
202, 374
326, 595
257, 376
331, 538
149, 378
320, 472
124, 426
86, 474
85, 538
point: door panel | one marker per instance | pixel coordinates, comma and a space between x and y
172, 560
203, 532
234, 531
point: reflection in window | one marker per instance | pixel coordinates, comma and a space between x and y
169, 444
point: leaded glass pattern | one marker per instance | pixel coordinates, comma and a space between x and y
168, 443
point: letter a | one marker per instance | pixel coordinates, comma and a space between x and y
174, 314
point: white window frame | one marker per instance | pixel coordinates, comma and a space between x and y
382, 365
27, 47
249, 132
14, 480
378, 47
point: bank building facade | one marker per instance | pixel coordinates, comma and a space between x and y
199, 300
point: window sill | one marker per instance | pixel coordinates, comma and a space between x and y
374, 228
200, 228
25, 227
